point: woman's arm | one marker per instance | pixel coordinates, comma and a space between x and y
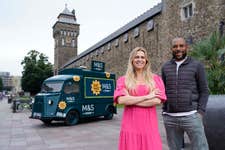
149, 103
160, 98
133, 100
152, 102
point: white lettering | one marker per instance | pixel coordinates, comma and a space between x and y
106, 87
70, 98
97, 64
90, 107
60, 114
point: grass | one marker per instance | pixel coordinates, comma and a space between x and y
120, 106
23, 98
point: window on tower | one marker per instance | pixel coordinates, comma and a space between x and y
73, 43
63, 42
75, 33
56, 42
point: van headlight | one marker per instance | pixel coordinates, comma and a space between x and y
32, 101
50, 102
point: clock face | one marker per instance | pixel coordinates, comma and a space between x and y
68, 39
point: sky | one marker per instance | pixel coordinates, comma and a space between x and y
27, 25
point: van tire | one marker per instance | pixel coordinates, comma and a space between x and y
72, 118
109, 114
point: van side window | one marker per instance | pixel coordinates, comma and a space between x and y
71, 88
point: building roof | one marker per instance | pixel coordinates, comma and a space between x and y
66, 11
132, 24
66, 16
4, 73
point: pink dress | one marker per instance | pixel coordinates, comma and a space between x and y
139, 128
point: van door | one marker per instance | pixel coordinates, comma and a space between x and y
71, 94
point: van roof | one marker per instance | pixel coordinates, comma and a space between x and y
85, 72
60, 78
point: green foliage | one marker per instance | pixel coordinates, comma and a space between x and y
24, 98
120, 106
36, 69
1, 84
211, 52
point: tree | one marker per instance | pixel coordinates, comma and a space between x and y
1, 84
211, 52
36, 69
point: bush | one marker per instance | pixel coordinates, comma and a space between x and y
211, 52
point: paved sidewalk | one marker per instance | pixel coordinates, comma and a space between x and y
18, 132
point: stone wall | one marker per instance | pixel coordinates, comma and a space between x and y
169, 23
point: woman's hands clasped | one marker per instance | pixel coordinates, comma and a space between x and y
151, 99
153, 94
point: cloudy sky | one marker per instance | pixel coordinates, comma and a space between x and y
27, 24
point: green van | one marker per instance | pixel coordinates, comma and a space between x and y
74, 94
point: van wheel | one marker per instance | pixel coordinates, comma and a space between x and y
47, 121
109, 114
72, 118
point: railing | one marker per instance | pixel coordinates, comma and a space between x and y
19, 105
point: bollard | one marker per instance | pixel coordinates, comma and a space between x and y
14, 106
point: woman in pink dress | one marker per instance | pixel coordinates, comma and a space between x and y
140, 91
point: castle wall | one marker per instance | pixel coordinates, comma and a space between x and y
169, 23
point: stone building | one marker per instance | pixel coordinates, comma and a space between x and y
10, 83
16, 82
65, 33
154, 30
6, 80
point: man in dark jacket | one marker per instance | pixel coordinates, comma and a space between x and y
187, 95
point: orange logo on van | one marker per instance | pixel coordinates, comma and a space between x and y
76, 78
107, 74
96, 87
62, 105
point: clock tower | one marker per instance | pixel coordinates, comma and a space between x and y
65, 33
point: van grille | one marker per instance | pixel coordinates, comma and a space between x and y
39, 104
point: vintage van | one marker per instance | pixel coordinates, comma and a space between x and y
74, 94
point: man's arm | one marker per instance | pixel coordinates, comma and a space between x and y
164, 81
202, 89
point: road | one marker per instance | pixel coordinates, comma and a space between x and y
18, 132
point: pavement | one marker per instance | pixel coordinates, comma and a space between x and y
18, 132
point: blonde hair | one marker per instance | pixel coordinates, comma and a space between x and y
130, 76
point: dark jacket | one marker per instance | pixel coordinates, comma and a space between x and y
186, 91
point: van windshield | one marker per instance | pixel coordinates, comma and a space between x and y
52, 86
